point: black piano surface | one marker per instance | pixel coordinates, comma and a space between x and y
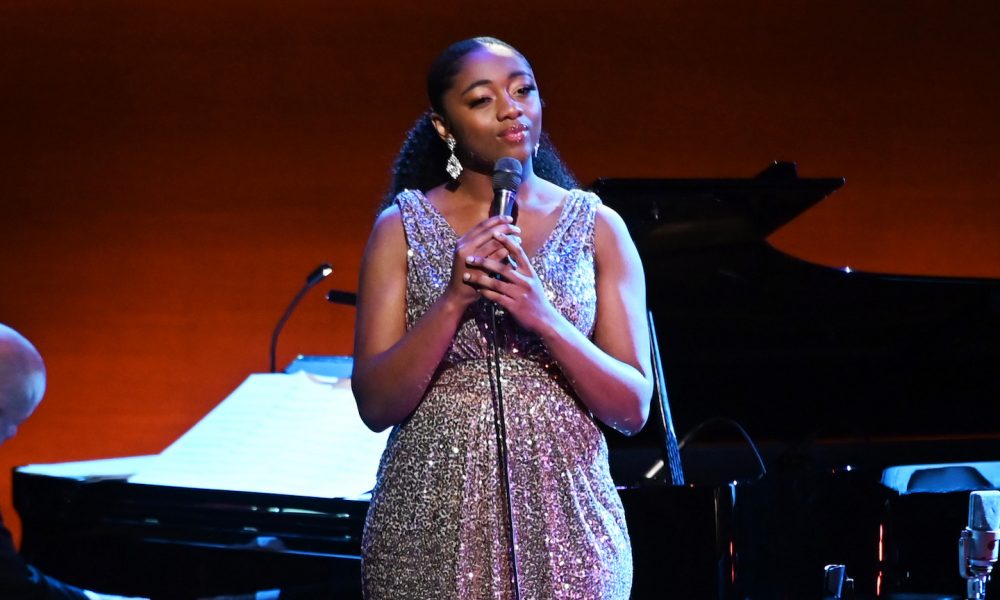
170, 542
795, 350
834, 375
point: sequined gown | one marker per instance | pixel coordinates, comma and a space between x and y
436, 527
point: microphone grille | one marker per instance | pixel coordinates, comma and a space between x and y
507, 174
984, 510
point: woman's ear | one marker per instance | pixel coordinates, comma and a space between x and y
439, 125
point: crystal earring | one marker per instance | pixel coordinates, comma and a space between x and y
537, 144
454, 168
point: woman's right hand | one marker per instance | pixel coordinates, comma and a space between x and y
480, 241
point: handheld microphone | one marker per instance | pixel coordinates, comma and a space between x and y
506, 180
977, 545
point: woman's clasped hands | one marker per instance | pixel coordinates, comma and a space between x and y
492, 264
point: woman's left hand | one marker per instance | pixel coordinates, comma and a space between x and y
513, 285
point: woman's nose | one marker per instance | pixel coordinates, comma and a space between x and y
510, 108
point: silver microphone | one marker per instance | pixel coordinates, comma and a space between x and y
977, 545
506, 180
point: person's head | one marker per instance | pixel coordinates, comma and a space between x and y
483, 94
503, 98
22, 381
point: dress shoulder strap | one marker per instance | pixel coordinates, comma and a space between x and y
575, 229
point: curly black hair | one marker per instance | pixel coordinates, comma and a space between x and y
422, 157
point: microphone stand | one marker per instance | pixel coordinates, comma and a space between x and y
500, 423
319, 274
506, 179
672, 450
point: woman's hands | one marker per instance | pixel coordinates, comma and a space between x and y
484, 241
610, 371
513, 284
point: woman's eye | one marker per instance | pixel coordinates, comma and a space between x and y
524, 90
478, 102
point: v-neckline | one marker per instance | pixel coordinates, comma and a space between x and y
563, 211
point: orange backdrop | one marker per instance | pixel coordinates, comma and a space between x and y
170, 171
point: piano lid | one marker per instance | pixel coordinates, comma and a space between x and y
793, 350
665, 215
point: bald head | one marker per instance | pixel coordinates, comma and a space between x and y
22, 381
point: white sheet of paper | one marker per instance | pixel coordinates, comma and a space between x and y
83, 470
276, 433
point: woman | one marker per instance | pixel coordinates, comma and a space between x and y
574, 347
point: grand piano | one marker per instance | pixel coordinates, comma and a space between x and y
796, 387
835, 376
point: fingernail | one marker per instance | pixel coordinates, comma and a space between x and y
466, 276
470, 260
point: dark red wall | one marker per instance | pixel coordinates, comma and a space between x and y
170, 172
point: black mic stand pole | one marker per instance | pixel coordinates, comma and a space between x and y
506, 179
500, 422
672, 453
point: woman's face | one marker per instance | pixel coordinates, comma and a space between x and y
492, 108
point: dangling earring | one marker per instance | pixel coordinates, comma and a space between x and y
454, 168
537, 144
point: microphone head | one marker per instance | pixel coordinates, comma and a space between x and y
319, 274
342, 297
984, 510
507, 174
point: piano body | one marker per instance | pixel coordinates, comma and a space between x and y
835, 375
234, 506
172, 542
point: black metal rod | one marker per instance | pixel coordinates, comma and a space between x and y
672, 453
500, 423
318, 274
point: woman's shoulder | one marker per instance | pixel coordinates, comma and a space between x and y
388, 225
610, 229
388, 214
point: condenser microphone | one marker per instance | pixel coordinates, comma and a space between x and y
978, 543
506, 180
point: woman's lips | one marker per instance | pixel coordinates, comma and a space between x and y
515, 135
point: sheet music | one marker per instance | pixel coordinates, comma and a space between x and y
276, 433
91, 470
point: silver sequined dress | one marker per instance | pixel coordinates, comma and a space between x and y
436, 527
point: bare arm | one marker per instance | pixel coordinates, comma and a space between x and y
393, 366
612, 373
